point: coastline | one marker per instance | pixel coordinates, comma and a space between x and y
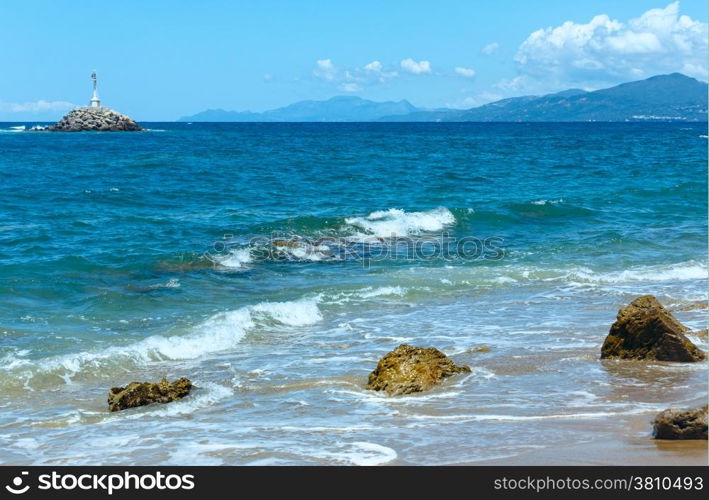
162, 280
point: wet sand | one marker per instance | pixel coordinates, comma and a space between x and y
621, 441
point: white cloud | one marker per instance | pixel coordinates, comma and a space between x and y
465, 72
36, 107
606, 50
375, 69
325, 69
352, 79
349, 87
490, 48
417, 68
374, 66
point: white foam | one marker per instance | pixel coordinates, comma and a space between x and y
205, 395
548, 202
295, 313
20, 128
171, 283
684, 271
383, 291
235, 259
460, 418
221, 332
396, 222
504, 280
362, 453
305, 251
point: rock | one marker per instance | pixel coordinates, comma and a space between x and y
701, 333
88, 119
695, 306
646, 330
145, 393
680, 424
408, 369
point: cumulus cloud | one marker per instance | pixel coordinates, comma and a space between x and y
490, 48
375, 70
352, 79
465, 72
36, 106
608, 51
416, 68
325, 69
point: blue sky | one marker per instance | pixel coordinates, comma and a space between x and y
159, 60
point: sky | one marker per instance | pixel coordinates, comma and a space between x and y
159, 60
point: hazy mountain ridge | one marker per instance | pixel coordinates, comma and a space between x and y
342, 108
664, 97
674, 97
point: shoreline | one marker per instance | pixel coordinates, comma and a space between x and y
626, 442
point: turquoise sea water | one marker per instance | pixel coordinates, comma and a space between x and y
274, 264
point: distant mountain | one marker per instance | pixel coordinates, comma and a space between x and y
337, 109
674, 97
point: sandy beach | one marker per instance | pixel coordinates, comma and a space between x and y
623, 441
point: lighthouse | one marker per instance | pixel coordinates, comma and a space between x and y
95, 101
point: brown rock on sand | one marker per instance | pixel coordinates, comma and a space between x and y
145, 393
646, 330
408, 369
681, 424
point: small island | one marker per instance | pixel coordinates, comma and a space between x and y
95, 118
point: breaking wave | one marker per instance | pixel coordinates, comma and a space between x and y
220, 332
396, 223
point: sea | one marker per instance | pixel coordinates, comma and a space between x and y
274, 264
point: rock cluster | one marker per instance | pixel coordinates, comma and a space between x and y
681, 424
95, 119
408, 369
145, 393
647, 331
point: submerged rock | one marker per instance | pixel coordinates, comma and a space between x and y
145, 393
695, 306
680, 424
95, 119
408, 369
646, 330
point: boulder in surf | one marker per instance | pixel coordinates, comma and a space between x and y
645, 330
145, 393
408, 369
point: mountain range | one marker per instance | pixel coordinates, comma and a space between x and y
673, 97
336, 109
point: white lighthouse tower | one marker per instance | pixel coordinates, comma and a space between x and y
95, 101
